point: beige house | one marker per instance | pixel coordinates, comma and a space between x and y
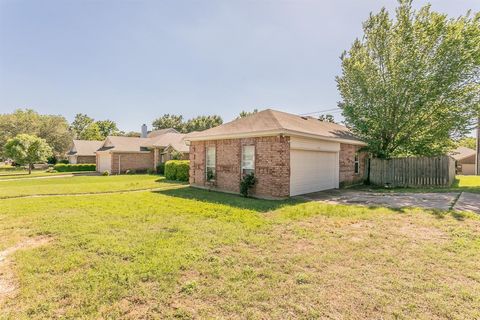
289, 155
83, 151
465, 159
119, 154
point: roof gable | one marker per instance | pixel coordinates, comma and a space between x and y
85, 147
272, 122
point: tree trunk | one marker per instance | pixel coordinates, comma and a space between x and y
29, 168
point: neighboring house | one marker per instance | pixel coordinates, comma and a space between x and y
83, 151
465, 158
119, 154
289, 154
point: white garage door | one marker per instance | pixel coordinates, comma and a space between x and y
104, 162
312, 171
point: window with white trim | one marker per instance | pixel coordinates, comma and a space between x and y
357, 164
248, 159
210, 163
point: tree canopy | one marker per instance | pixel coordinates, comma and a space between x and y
412, 83
244, 113
53, 128
176, 122
27, 149
84, 127
468, 142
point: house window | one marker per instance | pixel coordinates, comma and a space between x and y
210, 163
357, 164
248, 159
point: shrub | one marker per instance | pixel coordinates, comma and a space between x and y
177, 170
105, 173
248, 181
61, 167
150, 171
64, 161
161, 168
183, 167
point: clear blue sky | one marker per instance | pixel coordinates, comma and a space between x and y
132, 61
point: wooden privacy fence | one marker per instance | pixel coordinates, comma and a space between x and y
413, 172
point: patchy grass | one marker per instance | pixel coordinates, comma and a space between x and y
187, 253
462, 183
23, 174
80, 184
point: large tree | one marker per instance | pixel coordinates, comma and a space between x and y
53, 128
413, 82
201, 123
84, 127
169, 121
27, 149
176, 122
107, 128
79, 124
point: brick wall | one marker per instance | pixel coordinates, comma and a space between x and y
86, 159
272, 165
347, 164
132, 161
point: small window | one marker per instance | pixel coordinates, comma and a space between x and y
248, 159
357, 164
210, 163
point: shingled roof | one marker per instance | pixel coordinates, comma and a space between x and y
462, 153
125, 144
273, 122
175, 140
85, 147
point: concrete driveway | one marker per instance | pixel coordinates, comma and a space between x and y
462, 201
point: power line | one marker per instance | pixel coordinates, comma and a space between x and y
333, 110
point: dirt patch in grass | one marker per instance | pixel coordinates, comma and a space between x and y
8, 285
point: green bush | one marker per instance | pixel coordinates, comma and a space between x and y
105, 173
247, 183
177, 170
161, 168
61, 167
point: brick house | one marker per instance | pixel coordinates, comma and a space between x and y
465, 160
289, 155
83, 151
119, 154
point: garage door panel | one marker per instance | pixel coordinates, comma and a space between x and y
104, 163
312, 171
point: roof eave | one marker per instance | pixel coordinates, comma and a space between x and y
275, 133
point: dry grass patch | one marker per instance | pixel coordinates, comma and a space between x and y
388, 265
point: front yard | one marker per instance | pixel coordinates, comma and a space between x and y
177, 252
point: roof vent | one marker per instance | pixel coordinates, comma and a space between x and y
304, 118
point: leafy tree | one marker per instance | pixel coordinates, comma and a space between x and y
169, 121
107, 128
244, 113
53, 128
468, 142
199, 123
27, 149
91, 132
202, 123
326, 118
79, 124
131, 134
412, 83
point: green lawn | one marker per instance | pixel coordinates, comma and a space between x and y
78, 185
22, 174
185, 253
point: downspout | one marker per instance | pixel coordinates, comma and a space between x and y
119, 164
